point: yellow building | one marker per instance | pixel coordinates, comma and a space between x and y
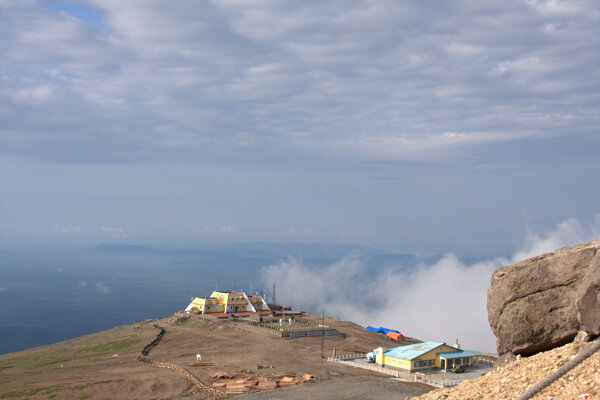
227, 302
424, 356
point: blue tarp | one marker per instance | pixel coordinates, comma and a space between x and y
371, 328
386, 330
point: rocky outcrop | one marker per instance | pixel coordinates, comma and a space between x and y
543, 302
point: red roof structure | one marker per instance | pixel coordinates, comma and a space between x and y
396, 336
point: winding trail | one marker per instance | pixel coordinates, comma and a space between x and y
146, 351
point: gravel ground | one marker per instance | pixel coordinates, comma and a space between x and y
510, 380
354, 388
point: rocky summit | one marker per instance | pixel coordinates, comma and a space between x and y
546, 301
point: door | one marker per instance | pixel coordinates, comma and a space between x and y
443, 364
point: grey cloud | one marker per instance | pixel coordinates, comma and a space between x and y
365, 78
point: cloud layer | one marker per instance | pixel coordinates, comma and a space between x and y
443, 301
372, 79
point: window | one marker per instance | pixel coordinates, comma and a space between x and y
424, 363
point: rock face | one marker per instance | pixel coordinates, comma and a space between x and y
543, 302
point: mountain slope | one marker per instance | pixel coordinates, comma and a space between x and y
103, 365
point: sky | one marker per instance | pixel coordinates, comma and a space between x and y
416, 126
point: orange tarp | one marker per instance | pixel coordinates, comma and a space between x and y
395, 336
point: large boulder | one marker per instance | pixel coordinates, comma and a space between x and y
543, 302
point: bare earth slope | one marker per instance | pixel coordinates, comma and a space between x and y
511, 380
104, 366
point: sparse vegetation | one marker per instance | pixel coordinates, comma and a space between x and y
50, 391
85, 352
110, 347
189, 322
23, 391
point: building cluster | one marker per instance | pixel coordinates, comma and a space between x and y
227, 302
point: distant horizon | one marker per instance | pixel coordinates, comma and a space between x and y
24, 246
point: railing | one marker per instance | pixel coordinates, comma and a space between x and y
346, 359
435, 382
347, 356
271, 331
302, 328
485, 360
285, 327
372, 367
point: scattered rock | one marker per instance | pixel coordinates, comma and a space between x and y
582, 337
514, 378
588, 299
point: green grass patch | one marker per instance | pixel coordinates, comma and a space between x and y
110, 347
50, 391
79, 387
189, 322
85, 352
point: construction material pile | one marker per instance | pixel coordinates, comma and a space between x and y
247, 381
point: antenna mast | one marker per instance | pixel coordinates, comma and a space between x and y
273, 300
323, 336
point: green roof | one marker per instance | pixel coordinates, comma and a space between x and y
416, 350
457, 354
412, 351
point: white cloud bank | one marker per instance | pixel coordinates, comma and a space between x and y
444, 301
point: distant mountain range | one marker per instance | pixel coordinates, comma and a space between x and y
255, 250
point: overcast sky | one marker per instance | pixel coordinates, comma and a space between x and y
419, 126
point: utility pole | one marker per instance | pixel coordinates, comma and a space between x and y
323, 336
274, 300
